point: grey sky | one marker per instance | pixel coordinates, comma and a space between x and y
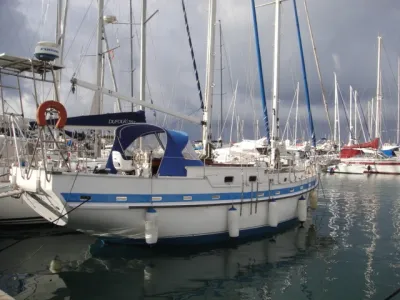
345, 34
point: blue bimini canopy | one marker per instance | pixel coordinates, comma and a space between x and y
173, 162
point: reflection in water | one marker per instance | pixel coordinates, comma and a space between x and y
395, 214
259, 268
350, 206
329, 258
370, 206
338, 258
334, 210
216, 270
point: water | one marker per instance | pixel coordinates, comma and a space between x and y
350, 249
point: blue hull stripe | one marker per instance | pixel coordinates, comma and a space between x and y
163, 198
244, 234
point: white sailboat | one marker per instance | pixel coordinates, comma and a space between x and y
175, 198
15, 211
366, 157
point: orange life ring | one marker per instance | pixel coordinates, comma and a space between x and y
41, 113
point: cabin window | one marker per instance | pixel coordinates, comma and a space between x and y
189, 153
285, 179
153, 142
228, 179
252, 178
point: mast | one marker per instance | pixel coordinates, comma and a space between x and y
361, 119
257, 130
60, 38
238, 129
355, 117
220, 77
336, 111
398, 101
378, 116
142, 91
372, 118
351, 117
111, 66
297, 112
338, 124
98, 97
260, 70
131, 50
57, 74
368, 118
207, 115
318, 68
303, 66
275, 87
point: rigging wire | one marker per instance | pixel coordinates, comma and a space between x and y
364, 119
345, 111
167, 117
288, 118
390, 66
393, 75
44, 18
41, 23
196, 73
228, 61
79, 28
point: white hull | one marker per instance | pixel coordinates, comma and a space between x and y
209, 222
13, 211
16, 212
367, 166
191, 208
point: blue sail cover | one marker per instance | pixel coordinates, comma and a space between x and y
105, 121
390, 151
173, 162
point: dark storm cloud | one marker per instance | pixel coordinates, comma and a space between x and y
345, 34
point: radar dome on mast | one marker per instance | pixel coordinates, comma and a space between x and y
47, 51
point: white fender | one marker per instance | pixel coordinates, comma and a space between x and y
233, 222
151, 226
273, 218
313, 199
302, 209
